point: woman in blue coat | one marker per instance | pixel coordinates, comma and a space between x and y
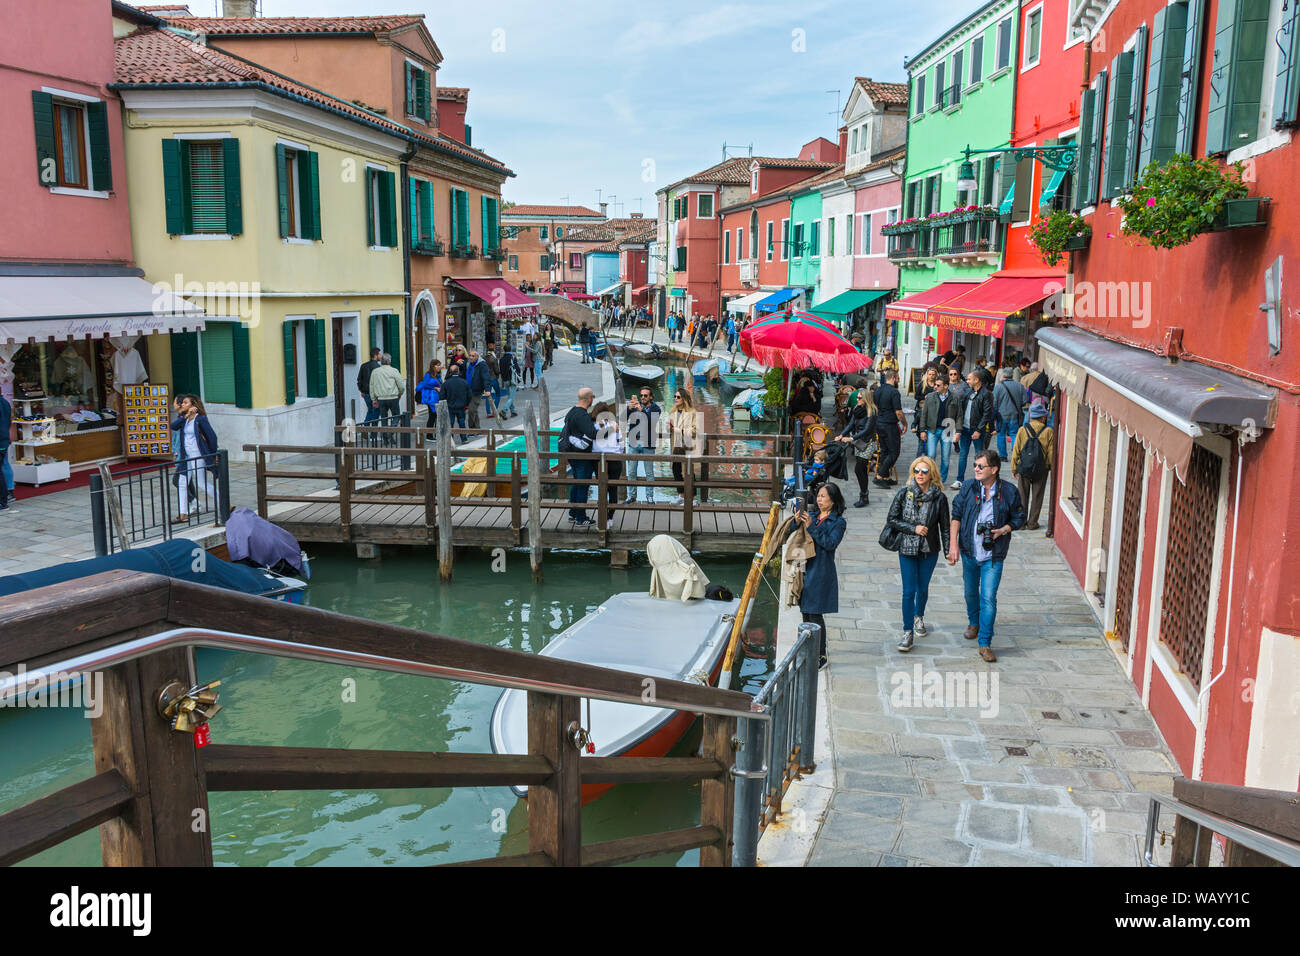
821, 582
199, 451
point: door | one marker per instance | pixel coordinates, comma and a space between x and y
346, 333
1129, 541
1111, 438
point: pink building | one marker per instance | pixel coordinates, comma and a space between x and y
876, 202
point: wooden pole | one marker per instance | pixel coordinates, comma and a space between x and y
446, 552
751, 585
117, 736
555, 807
115, 507
534, 493
544, 398
261, 483
717, 796
346, 463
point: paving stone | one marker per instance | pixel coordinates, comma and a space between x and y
868, 804
1085, 757
879, 783
874, 723
995, 773
1152, 782
863, 742
993, 823
968, 750
856, 703
866, 833
1103, 780
943, 790
1151, 761
1040, 796
1114, 849
929, 845
1095, 798
912, 746
1056, 776
1056, 834
953, 728
891, 860
986, 856
833, 853
873, 763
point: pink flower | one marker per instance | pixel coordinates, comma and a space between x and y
1110, 235
1151, 202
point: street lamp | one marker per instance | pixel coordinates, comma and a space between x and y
1053, 157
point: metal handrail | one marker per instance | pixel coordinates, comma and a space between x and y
1283, 851
17, 684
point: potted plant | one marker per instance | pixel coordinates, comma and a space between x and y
1173, 204
1061, 232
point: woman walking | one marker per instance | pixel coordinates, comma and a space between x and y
199, 448
429, 391
609, 441
681, 436
860, 431
536, 359
919, 515
821, 583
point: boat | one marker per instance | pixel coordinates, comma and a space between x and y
641, 374
686, 642
739, 381
637, 350
708, 369
748, 406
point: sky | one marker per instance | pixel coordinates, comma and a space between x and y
590, 101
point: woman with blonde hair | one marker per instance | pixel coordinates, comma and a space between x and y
919, 518
860, 431
681, 435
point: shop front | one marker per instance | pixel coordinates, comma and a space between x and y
473, 304
858, 312
999, 318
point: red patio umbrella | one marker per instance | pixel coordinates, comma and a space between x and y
800, 340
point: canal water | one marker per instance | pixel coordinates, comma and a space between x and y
275, 702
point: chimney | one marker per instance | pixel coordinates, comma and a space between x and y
604, 206
844, 144
638, 215
239, 8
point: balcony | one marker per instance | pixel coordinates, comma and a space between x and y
749, 270
969, 243
496, 255
464, 252
426, 246
913, 248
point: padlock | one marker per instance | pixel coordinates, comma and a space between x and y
202, 735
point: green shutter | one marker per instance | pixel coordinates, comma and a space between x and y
1101, 85
317, 380
370, 207
47, 163
186, 377
1159, 137
413, 207
421, 94
1083, 156
1286, 88
219, 363
101, 163
175, 186
426, 201
462, 217
496, 223
483, 221
410, 90
393, 339
234, 192
1117, 113
282, 187
309, 195
388, 208
1131, 145
1006, 183
1190, 77
1240, 44
374, 335
290, 362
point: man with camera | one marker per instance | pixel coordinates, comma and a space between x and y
984, 513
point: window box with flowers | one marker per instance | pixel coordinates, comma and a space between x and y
1061, 232
1173, 204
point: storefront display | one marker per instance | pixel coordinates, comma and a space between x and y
147, 414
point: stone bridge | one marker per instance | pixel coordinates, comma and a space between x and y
565, 311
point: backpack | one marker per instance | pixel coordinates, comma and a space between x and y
1033, 463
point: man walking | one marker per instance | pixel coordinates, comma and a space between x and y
386, 387
731, 333
1031, 462
579, 435
931, 428
479, 379
642, 431
1008, 402
975, 416
890, 418
6, 471
984, 513
455, 392
363, 385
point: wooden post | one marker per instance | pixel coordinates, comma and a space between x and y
534, 493
117, 736
446, 553
516, 495
688, 495
346, 463
544, 397
602, 494
717, 796
620, 395
704, 470
423, 465
555, 807
261, 482
114, 507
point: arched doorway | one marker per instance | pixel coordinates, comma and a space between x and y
427, 328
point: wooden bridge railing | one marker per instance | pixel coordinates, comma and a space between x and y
151, 783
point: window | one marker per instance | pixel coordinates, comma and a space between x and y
490, 221
1118, 111
298, 192
1082, 417
381, 208
422, 228
986, 197
958, 71
753, 181
513, 264
867, 235
545, 263
704, 206
1058, 194
71, 142
1033, 37
417, 92
726, 248
575, 260
217, 345
460, 233
785, 240
544, 233
1241, 52
1162, 121
940, 91
919, 107
769, 240
848, 233
853, 140
740, 243
201, 186
977, 60
796, 238
1004, 45
815, 237
830, 237
559, 232
304, 358
681, 258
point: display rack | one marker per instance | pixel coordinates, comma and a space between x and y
148, 423
35, 432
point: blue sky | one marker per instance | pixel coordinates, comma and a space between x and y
580, 96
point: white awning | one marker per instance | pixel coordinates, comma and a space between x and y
745, 301
615, 287
45, 308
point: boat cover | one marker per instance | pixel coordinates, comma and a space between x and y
674, 573
251, 536
175, 559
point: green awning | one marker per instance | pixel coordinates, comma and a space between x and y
846, 302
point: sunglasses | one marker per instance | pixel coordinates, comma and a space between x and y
920, 471
980, 467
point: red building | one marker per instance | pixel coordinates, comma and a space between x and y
1180, 416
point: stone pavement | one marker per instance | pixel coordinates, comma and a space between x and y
1050, 766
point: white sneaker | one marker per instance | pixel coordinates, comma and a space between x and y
679, 500
918, 625
955, 486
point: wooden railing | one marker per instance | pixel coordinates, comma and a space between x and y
1257, 827
152, 783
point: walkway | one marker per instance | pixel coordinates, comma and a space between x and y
1054, 771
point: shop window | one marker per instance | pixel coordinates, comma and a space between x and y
67, 372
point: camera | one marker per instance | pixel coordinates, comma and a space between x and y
985, 530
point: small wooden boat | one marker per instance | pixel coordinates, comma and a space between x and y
632, 631
637, 350
641, 374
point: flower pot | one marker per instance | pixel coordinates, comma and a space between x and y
1238, 213
1075, 244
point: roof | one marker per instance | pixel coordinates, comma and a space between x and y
835, 171
458, 93
884, 92
135, 14
812, 182
885, 159
525, 210
149, 57
217, 26
646, 235
612, 229
735, 171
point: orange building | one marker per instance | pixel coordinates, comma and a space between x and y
528, 233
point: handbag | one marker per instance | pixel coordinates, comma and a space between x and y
890, 537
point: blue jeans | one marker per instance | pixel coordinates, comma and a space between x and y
582, 470
6, 475
372, 410
916, 584
457, 418
731, 342
639, 470
1007, 436
938, 449
981, 580
509, 404
495, 386
966, 443
537, 373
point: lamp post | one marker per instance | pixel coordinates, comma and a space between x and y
1053, 157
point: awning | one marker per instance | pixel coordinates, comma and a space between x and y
984, 309
507, 302
610, 289
1160, 404
916, 307
640, 289
775, 300
573, 286
846, 302
745, 301
48, 307
581, 296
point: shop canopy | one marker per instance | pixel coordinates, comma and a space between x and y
775, 300
917, 307
985, 309
640, 289
610, 290
1161, 405
60, 307
744, 302
846, 302
507, 302
580, 296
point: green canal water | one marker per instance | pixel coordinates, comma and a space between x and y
274, 702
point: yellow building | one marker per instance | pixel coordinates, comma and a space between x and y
259, 197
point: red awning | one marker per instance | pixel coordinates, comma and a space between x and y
507, 302
984, 309
639, 289
573, 286
579, 296
916, 307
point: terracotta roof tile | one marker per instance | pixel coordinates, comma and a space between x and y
884, 92
525, 210
458, 93
608, 230
646, 235
216, 26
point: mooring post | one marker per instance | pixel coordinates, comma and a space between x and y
446, 553
544, 397
534, 492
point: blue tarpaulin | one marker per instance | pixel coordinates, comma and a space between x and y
777, 299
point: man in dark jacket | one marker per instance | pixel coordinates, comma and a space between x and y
363, 384
930, 424
455, 392
579, 435
889, 416
984, 513
642, 433
479, 377
974, 418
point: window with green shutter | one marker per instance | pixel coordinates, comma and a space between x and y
381, 208
1128, 172
207, 180
72, 146
291, 384
1286, 82
186, 375
1240, 45
393, 338
1189, 81
1158, 136
317, 378
201, 187
1117, 114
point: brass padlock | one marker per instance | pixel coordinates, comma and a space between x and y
188, 708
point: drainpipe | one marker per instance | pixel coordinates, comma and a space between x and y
717, 213
403, 197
